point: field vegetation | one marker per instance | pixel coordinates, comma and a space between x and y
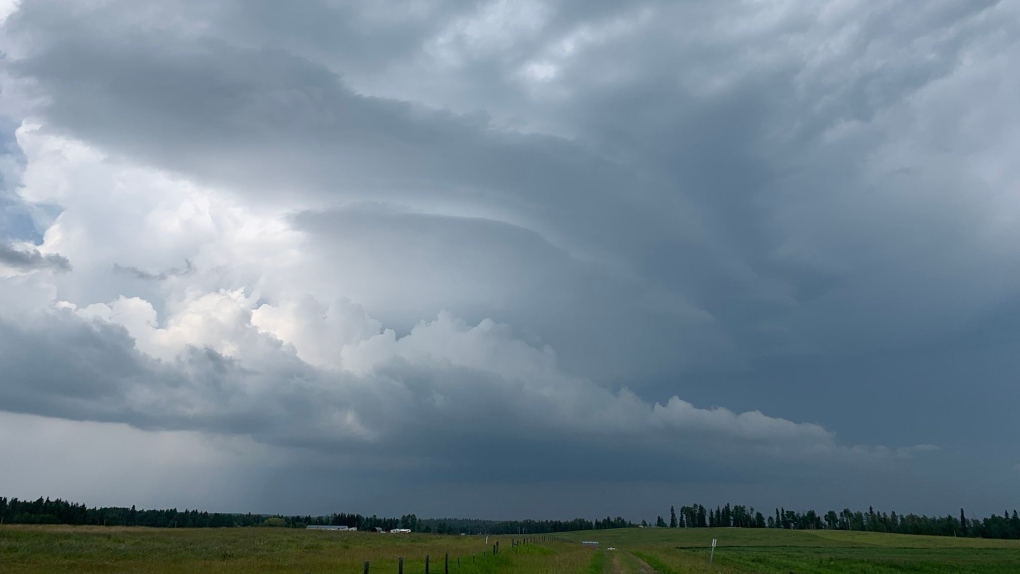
740, 550
90, 549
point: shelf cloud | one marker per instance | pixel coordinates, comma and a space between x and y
752, 250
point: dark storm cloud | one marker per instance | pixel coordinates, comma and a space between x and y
265, 121
444, 420
698, 199
106, 379
801, 207
758, 161
31, 259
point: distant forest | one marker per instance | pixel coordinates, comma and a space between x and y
697, 516
46, 511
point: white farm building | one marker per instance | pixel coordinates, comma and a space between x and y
320, 527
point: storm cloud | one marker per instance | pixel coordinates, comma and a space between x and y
742, 247
30, 259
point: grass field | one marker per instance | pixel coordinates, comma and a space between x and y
675, 551
37, 549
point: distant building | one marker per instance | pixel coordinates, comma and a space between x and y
400, 531
590, 543
328, 527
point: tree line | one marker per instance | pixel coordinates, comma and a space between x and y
47, 511
697, 516
476, 526
57, 511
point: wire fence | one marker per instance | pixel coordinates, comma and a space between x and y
455, 562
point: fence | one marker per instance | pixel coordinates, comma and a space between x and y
446, 556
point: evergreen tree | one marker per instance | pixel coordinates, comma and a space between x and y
672, 517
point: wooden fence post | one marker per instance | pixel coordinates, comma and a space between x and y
446, 563
366, 566
400, 565
426, 564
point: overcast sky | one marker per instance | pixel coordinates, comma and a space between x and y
510, 259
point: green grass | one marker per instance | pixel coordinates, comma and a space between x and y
653, 561
702, 538
95, 550
631, 564
38, 549
597, 564
678, 551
